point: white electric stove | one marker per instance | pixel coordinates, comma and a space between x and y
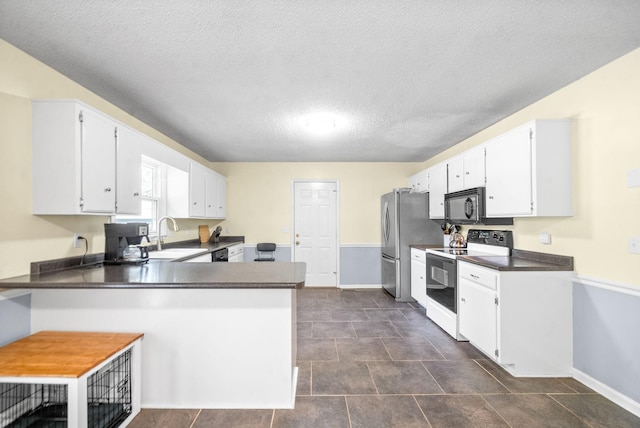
442, 273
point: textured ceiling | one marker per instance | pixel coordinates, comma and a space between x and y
235, 80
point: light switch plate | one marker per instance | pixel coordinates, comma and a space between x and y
634, 245
545, 238
633, 178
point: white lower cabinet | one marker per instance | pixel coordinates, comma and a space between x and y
236, 253
520, 319
418, 277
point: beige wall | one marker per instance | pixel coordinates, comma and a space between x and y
260, 197
604, 106
25, 238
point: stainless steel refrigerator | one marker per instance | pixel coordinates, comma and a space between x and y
405, 221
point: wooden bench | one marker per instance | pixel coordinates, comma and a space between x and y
77, 360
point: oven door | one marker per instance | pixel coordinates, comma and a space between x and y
442, 279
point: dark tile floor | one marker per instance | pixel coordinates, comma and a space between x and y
366, 361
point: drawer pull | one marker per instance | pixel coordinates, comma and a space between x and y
474, 276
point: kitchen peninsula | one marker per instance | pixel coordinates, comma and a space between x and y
217, 335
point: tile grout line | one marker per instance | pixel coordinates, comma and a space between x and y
195, 419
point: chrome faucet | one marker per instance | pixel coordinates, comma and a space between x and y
175, 229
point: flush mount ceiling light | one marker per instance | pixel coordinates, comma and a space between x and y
321, 123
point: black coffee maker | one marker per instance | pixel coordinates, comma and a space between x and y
123, 243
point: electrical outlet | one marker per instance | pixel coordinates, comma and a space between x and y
634, 245
545, 238
228, 230
77, 243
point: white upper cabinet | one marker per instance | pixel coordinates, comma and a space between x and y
73, 159
197, 190
437, 189
221, 188
128, 159
419, 182
455, 171
466, 171
528, 171
207, 193
474, 168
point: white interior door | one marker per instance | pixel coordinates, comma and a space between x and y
315, 231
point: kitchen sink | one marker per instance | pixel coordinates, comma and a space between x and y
176, 253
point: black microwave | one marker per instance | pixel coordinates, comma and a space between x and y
468, 207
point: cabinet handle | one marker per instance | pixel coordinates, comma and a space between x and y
457, 176
474, 276
136, 194
108, 189
195, 203
490, 197
421, 277
467, 173
462, 299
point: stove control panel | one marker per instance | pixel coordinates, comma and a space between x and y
498, 238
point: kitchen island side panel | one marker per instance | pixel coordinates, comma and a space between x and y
203, 348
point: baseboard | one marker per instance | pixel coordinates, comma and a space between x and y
352, 286
608, 392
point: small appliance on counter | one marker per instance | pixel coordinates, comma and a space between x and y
124, 243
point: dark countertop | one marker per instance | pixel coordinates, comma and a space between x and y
520, 260
168, 274
162, 273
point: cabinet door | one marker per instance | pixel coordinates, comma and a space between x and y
455, 172
98, 176
474, 168
508, 171
477, 315
197, 179
128, 185
211, 186
437, 189
221, 183
419, 182
418, 282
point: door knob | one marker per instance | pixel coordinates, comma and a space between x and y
297, 242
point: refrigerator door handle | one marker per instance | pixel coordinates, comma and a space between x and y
386, 258
385, 222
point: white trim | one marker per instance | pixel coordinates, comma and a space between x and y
361, 245
633, 290
9, 294
353, 286
608, 392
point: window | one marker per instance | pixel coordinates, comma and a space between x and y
153, 195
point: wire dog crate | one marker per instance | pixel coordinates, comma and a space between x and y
107, 391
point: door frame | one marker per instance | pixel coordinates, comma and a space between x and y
292, 237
